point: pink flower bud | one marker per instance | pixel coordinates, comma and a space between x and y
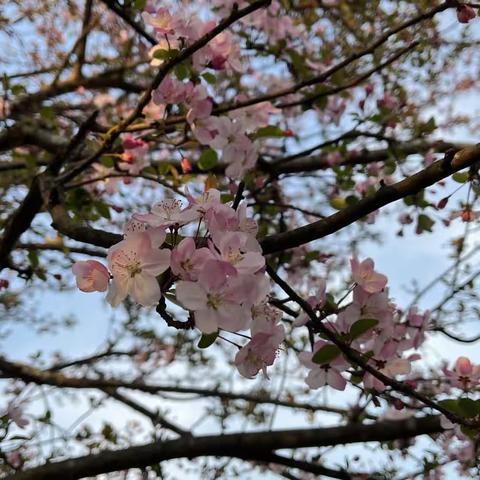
129, 142
463, 366
465, 13
186, 165
442, 203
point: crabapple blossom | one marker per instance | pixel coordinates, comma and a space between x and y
167, 213
199, 206
267, 335
162, 21
215, 300
91, 276
254, 116
321, 375
134, 157
230, 247
187, 261
259, 353
364, 275
135, 264
465, 375
391, 368
16, 414
315, 301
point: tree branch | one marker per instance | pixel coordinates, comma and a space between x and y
385, 195
239, 445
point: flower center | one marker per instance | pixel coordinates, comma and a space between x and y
214, 300
134, 269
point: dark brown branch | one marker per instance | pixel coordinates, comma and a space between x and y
56, 379
385, 195
164, 70
239, 445
114, 7
356, 359
65, 225
155, 417
60, 248
345, 62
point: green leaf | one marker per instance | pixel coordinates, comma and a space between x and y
338, 203
269, 131
362, 326
140, 4
181, 71
326, 354
163, 168
330, 304
107, 161
468, 407
451, 405
102, 209
461, 177
162, 54
33, 258
209, 78
207, 339
208, 159
18, 89
47, 113
424, 224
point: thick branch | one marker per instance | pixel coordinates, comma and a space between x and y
240, 445
385, 195
53, 377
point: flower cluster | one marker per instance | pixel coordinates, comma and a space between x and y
229, 134
232, 134
370, 325
464, 375
219, 276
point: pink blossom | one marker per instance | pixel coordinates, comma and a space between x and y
240, 156
204, 130
171, 91
200, 104
231, 247
258, 354
321, 375
364, 275
388, 101
267, 335
199, 206
254, 116
463, 366
161, 21
135, 264
391, 368
315, 301
15, 413
167, 213
91, 276
14, 459
134, 158
223, 218
417, 325
214, 300
187, 261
